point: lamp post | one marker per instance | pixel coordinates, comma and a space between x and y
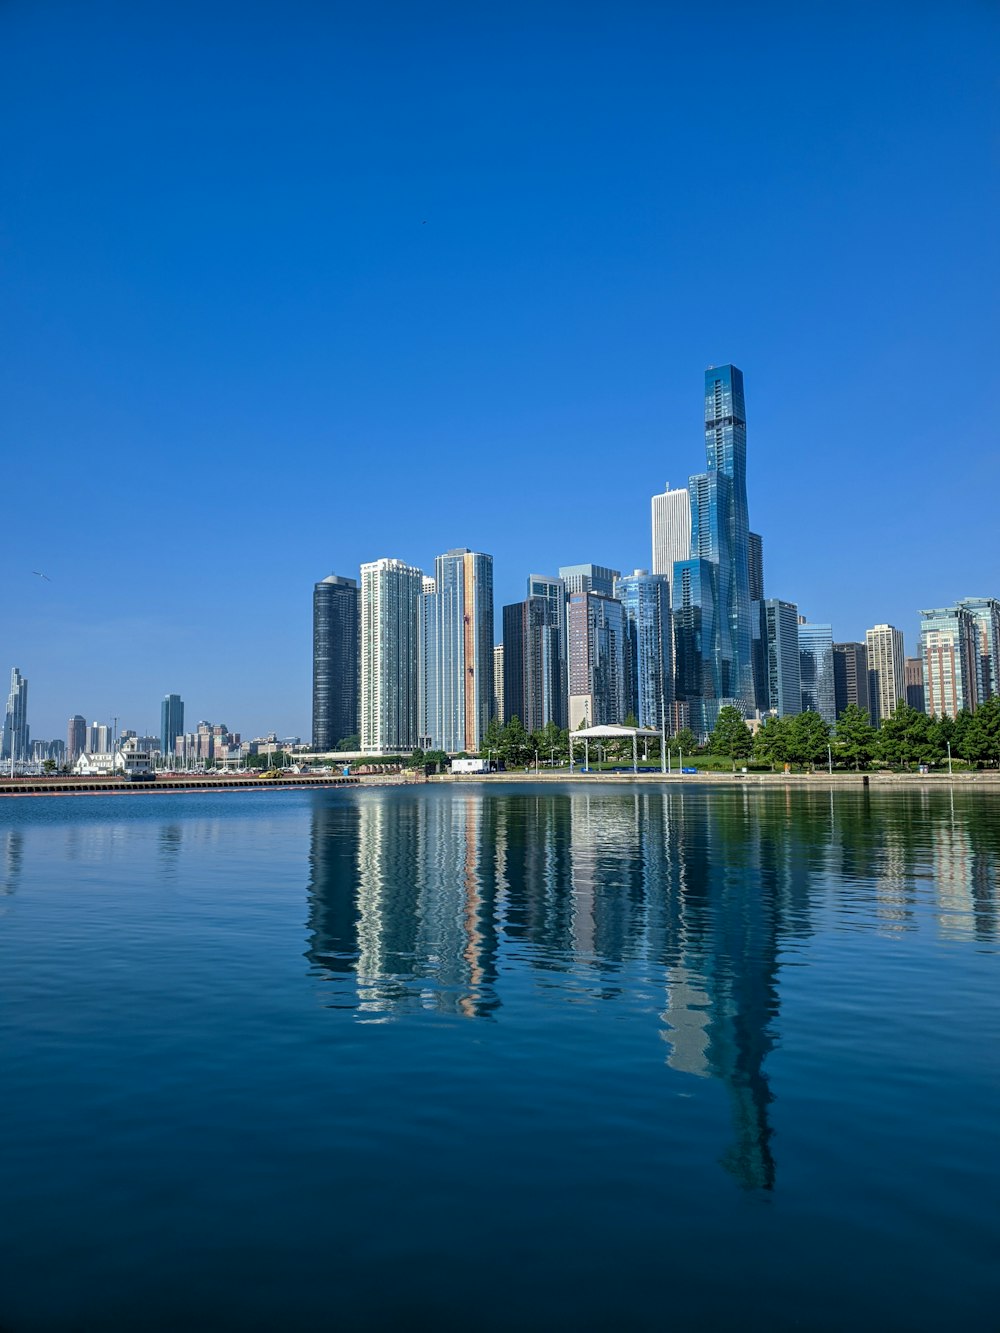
948, 743
829, 760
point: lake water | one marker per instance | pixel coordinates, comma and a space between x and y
486, 1057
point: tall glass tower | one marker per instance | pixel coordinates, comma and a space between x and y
15, 731
171, 723
456, 654
335, 661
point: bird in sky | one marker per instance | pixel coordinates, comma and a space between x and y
41, 575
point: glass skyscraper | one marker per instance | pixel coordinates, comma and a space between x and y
816, 670
534, 655
720, 536
335, 662
646, 599
16, 738
597, 643
985, 611
171, 723
456, 657
782, 665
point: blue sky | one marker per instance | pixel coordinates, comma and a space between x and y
290, 287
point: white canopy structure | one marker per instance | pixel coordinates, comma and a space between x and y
609, 733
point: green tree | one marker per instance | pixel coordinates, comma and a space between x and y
350, 743
771, 742
808, 737
684, 741
48, 765
988, 725
515, 749
553, 742
902, 736
856, 737
493, 739
731, 736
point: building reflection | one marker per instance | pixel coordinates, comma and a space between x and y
424, 899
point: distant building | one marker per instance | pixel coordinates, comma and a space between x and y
598, 677
671, 514
171, 722
390, 594
99, 738
693, 610
816, 670
335, 661
16, 734
76, 737
913, 683
850, 677
756, 567
589, 578
985, 611
456, 651
534, 658
649, 656
949, 644
886, 682
779, 639
498, 681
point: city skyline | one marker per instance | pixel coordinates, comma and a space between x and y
302, 280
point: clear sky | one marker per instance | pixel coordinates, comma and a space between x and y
291, 286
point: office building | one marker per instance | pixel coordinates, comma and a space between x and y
671, 514
456, 656
720, 536
850, 677
388, 666
16, 743
76, 737
913, 683
534, 655
816, 670
949, 650
782, 665
886, 683
171, 723
335, 661
589, 578
756, 568
498, 682
985, 611
598, 674
99, 738
649, 657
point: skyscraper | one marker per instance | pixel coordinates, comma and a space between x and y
76, 738
671, 513
589, 578
16, 733
913, 683
850, 677
646, 599
171, 723
756, 567
816, 670
986, 613
498, 682
457, 653
335, 661
534, 655
390, 592
99, 738
779, 638
885, 670
949, 648
598, 678
720, 535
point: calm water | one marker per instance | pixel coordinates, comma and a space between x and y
500, 1057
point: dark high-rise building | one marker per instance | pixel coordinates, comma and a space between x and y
782, 665
913, 680
335, 661
597, 638
534, 657
171, 723
646, 599
850, 677
756, 567
76, 738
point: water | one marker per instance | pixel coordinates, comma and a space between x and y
500, 1056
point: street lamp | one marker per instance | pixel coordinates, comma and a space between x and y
948, 743
829, 760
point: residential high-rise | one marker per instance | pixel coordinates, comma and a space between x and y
886, 683
335, 661
949, 649
99, 738
693, 611
986, 613
16, 743
720, 535
646, 599
498, 682
671, 514
457, 652
756, 568
850, 677
816, 670
589, 578
779, 638
390, 592
534, 656
171, 723
598, 675
913, 683
76, 738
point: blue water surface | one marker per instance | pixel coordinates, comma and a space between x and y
537, 1057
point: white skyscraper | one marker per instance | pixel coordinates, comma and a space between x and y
390, 592
671, 530
16, 736
885, 670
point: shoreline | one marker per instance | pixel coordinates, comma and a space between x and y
846, 781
